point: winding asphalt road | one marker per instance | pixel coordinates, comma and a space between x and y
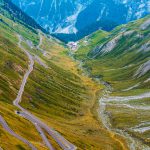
21, 90
10, 131
61, 141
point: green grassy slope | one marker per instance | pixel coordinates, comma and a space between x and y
122, 60
65, 99
13, 64
89, 42
59, 94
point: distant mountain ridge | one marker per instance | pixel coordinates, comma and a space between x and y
80, 17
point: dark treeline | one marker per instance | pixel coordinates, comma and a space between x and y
17, 15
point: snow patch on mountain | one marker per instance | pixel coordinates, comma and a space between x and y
101, 12
71, 20
69, 16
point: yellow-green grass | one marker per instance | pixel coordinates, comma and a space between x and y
118, 68
13, 143
89, 42
67, 101
59, 95
20, 126
13, 65
125, 118
8, 27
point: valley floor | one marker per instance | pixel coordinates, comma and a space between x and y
54, 91
50, 101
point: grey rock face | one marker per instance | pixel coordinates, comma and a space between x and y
86, 16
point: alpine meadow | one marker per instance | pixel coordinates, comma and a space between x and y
74, 75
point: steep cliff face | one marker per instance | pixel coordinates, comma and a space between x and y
84, 17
